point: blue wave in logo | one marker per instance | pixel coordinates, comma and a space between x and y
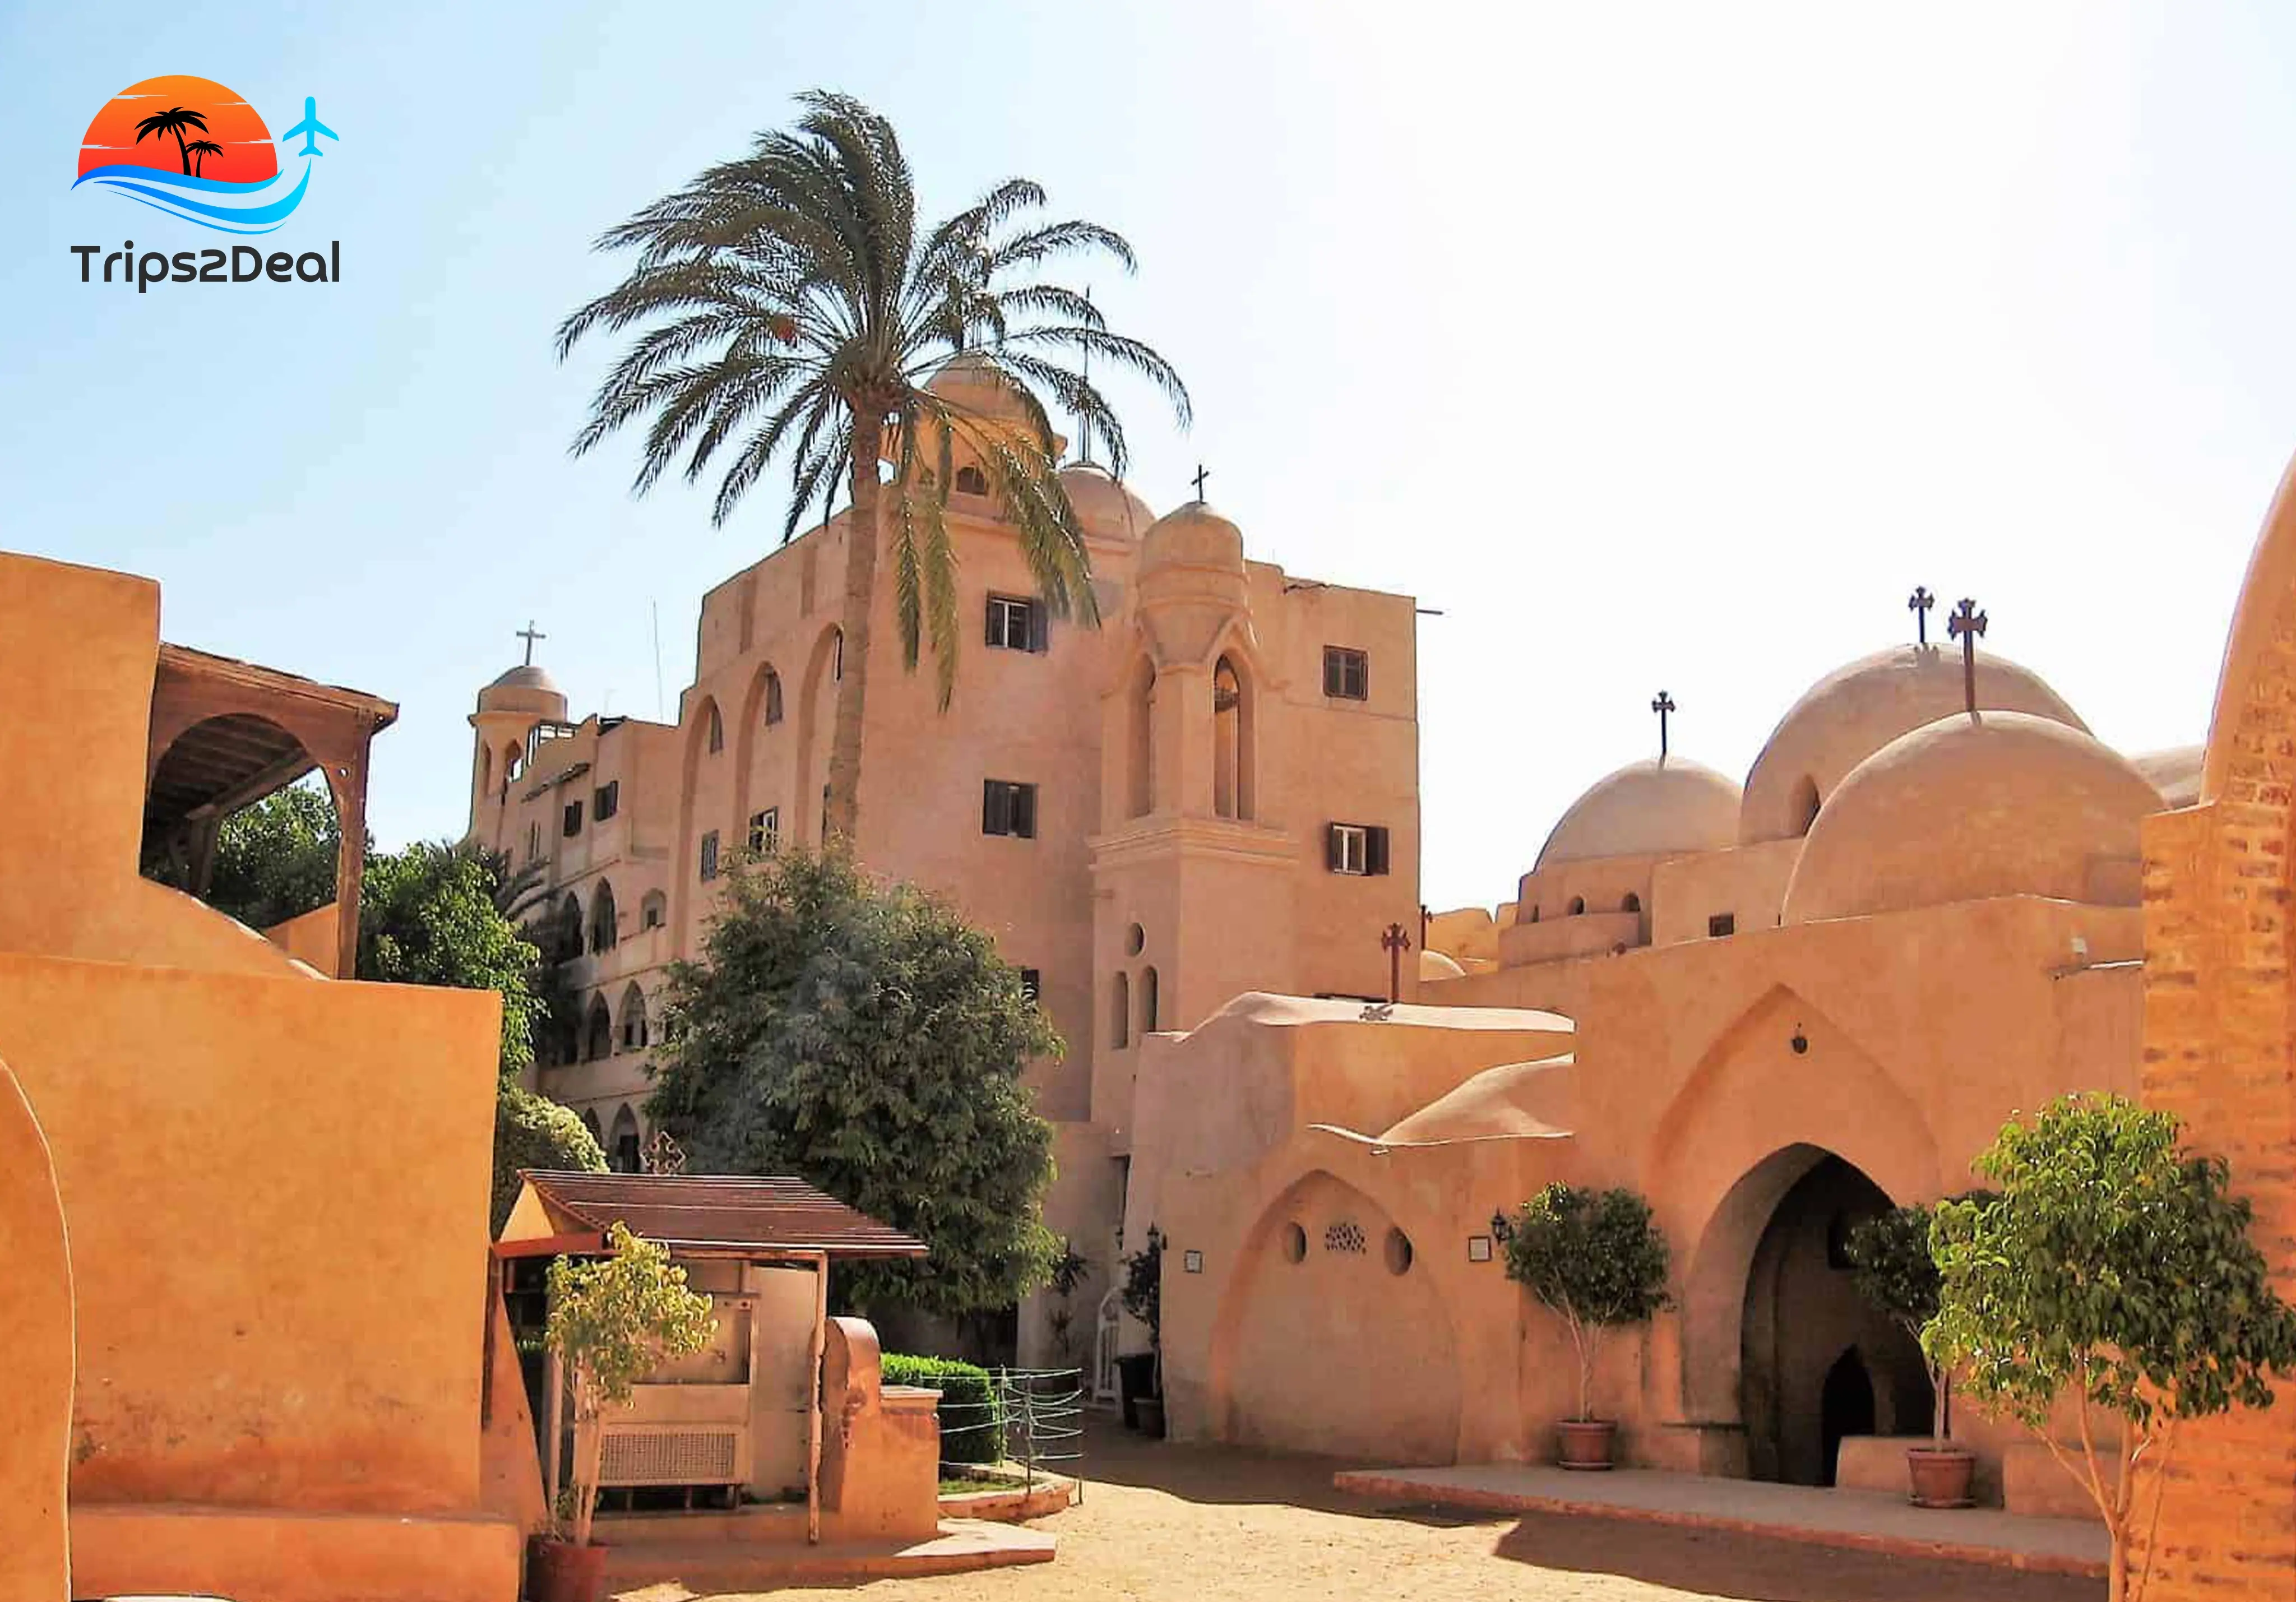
227, 207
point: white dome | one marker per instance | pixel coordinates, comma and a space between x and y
1662, 807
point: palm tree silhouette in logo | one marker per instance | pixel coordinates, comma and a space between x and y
173, 121
200, 151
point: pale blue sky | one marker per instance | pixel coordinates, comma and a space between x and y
1656, 345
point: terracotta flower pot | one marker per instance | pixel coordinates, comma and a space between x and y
1585, 1443
558, 1571
1941, 1475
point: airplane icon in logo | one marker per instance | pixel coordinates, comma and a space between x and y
309, 128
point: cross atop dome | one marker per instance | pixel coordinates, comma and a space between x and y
530, 634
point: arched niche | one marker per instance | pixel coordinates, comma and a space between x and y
1317, 1274
1140, 738
605, 926
634, 1029
622, 1153
1234, 752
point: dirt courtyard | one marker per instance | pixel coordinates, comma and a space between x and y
1175, 1524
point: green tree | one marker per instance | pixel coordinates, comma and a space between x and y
2115, 1268
1595, 1259
860, 1035
612, 1322
428, 916
275, 860
792, 308
1892, 1267
534, 1132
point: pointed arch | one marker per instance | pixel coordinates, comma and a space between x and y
567, 933
622, 1153
636, 1034
703, 799
817, 717
598, 1031
1234, 738
604, 923
1140, 737
753, 749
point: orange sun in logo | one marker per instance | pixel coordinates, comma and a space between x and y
180, 124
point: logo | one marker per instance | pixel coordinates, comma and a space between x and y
198, 152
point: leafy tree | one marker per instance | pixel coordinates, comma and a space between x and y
612, 1322
428, 916
1891, 1266
534, 1132
274, 860
790, 308
1592, 1257
2113, 1267
860, 1035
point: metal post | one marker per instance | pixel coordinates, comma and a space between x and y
556, 1381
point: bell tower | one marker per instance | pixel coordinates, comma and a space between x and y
509, 710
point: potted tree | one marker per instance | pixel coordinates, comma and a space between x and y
1595, 1259
1891, 1266
1143, 1298
612, 1322
2113, 1272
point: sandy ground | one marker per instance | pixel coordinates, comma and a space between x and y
1169, 1523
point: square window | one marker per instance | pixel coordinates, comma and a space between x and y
1016, 624
1007, 807
1346, 674
571, 823
1722, 924
607, 800
1479, 1248
765, 830
1355, 849
710, 856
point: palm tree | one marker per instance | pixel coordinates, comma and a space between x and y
202, 149
789, 298
173, 121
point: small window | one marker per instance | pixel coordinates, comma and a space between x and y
837, 655
607, 800
571, 823
773, 697
534, 842
1346, 674
716, 730
1007, 807
1032, 983
710, 856
972, 481
1722, 924
1016, 624
765, 830
1356, 848
1577, 905
1149, 1007
1633, 903
653, 912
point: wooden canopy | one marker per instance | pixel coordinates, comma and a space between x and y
694, 1215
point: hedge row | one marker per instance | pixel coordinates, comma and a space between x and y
972, 1417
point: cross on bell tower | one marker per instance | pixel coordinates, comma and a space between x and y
530, 634
1395, 942
1965, 625
1919, 605
1202, 475
1663, 705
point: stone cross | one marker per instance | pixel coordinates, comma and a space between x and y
1919, 605
663, 1155
530, 634
1395, 942
1662, 706
1965, 625
1199, 479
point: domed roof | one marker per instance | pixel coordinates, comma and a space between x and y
975, 382
1435, 964
1193, 536
1967, 809
1853, 711
525, 688
1103, 505
1660, 808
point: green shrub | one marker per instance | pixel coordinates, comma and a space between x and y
972, 1417
533, 1131
1594, 1258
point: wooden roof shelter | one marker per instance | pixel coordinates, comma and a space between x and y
225, 733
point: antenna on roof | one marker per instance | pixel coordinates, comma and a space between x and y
659, 716
1084, 450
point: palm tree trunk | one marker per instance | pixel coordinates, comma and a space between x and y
185, 151
860, 598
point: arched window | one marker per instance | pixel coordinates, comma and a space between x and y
716, 730
1633, 903
1119, 1012
570, 927
773, 697
653, 911
623, 1154
972, 481
486, 768
604, 930
590, 1122
600, 1042
1578, 905
1804, 807
513, 764
837, 655
1534, 913
1147, 1001
1230, 742
634, 1035
1140, 741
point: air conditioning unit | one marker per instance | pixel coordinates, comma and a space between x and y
689, 1424
674, 1454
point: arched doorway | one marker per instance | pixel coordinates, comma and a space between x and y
1817, 1363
